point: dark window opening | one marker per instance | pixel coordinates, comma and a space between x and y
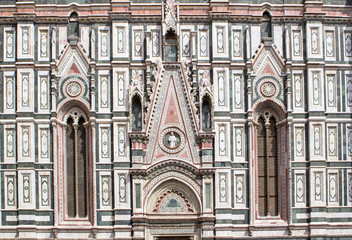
74, 26
171, 46
136, 115
76, 165
206, 115
267, 167
266, 25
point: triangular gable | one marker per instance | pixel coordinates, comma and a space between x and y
264, 55
171, 111
72, 61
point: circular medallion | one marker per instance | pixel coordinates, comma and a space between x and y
73, 89
172, 140
268, 89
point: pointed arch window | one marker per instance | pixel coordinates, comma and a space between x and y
73, 26
76, 167
206, 115
171, 46
136, 114
267, 149
266, 25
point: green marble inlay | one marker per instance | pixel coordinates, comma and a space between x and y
207, 195
138, 195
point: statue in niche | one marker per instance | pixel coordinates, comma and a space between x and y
205, 80
206, 116
136, 115
172, 140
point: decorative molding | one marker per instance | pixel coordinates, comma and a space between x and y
221, 89
44, 93
45, 190
333, 187
239, 184
318, 186
330, 43
10, 142
222, 140
223, 187
106, 191
220, 39
238, 91
26, 189
317, 139
10, 92
237, 42
122, 188
300, 141
121, 140
25, 90
348, 44
11, 191
300, 188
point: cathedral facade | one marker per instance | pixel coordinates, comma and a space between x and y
143, 119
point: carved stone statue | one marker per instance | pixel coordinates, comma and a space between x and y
172, 140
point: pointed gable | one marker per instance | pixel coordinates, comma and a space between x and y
72, 61
267, 59
171, 130
268, 69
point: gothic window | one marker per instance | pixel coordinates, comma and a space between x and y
76, 168
136, 115
206, 115
74, 25
171, 46
266, 25
267, 165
